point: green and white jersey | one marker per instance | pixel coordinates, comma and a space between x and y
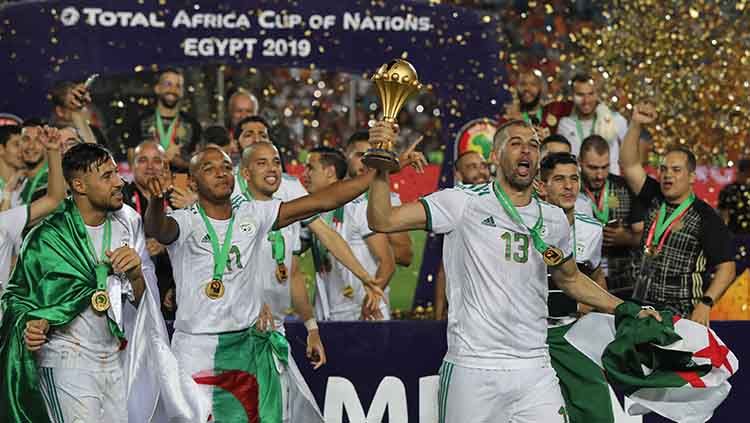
588, 238
497, 281
344, 292
192, 260
587, 233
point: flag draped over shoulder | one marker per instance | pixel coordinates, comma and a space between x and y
53, 279
676, 367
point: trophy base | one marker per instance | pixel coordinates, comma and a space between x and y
380, 159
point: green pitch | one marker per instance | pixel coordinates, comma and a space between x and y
403, 283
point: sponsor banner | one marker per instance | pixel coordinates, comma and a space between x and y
387, 371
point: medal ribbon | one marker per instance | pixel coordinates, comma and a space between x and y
102, 264
220, 254
538, 117
661, 227
579, 128
166, 138
512, 212
34, 182
278, 247
601, 204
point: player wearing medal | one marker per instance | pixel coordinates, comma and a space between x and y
217, 248
581, 381
498, 245
683, 236
339, 295
261, 169
66, 297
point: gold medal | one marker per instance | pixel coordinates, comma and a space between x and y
348, 292
281, 272
215, 289
100, 301
551, 119
553, 256
613, 202
650, 251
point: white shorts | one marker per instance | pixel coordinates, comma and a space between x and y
469, 395
355, 314
84, 396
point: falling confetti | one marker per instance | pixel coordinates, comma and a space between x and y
689, 58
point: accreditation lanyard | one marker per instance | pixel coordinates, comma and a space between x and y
538, 117
662, 225
579, 128
512, 212
601, 204
220, 253
166, 137
102, 266
34, 182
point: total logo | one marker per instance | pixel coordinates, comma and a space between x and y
70, 16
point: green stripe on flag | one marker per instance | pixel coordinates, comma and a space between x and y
582, 382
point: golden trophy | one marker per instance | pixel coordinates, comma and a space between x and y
396, 81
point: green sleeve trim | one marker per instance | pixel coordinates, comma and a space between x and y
297, 252
428, 225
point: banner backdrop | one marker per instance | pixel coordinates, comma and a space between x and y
387, 371
458, 53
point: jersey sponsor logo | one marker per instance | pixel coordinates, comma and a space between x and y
206, 239
580, 249
490, 221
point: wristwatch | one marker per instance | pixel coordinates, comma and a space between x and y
707, 300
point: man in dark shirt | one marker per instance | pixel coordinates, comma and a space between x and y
177, 132
683, 236
150, 161
614, 205
734, 201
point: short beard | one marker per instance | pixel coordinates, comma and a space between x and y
529, 106
32, 165
166, 104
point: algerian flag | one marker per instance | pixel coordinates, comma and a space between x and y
239, 372
676, 368
54, 280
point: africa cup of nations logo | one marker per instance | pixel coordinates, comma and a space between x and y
477, 136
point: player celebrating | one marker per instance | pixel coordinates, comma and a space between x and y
499, 243
216, 249
581, 381
67, 296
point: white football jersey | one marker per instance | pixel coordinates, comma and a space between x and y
497, 281
588, 239
87, 342
12, 223
344, 291
193, 261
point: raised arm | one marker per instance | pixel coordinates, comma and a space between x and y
382, 217
401, 245
155, 222
42, 207
630, 160
324, 200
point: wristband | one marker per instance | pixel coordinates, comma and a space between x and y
311, 324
